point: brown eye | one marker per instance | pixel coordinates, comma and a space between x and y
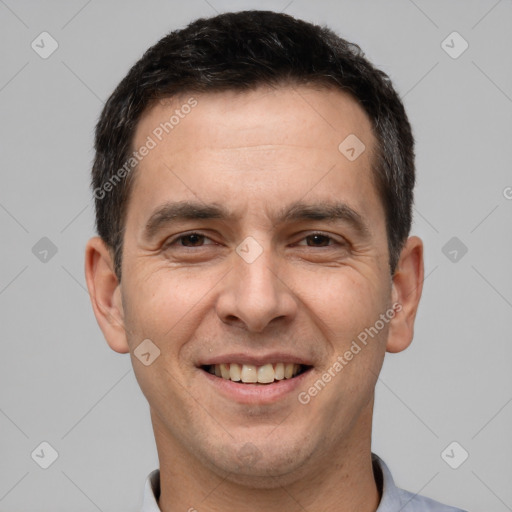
318, 240
193, 239
189, 240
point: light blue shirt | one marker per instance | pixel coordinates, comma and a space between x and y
393, 499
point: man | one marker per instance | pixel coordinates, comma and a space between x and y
254, 181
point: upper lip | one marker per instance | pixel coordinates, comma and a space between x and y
256, 359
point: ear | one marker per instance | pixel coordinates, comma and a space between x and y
407, 284
105, 294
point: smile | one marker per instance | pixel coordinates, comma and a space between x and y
253, 374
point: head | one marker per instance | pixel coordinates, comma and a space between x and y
254, 180
231, 53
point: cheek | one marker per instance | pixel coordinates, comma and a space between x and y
344, 301
163, 302
349, 312
162, 308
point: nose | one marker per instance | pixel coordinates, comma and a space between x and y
254, 294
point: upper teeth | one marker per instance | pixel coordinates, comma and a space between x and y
251, 373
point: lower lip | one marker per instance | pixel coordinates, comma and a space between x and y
256, 393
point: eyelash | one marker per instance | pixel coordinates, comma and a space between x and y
186, 235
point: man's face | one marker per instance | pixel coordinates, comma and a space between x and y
257, 287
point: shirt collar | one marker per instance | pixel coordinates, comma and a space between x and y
390, 496
152, 492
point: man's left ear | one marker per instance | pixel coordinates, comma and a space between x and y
406, 292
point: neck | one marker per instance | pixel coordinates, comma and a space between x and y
340, 480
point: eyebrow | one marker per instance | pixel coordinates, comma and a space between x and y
178, 211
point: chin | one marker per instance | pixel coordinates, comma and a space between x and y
263, 467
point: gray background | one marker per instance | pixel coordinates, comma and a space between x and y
61, 383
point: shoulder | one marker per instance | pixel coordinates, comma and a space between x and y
417, 503
393, 498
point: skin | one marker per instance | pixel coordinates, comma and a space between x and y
255, 153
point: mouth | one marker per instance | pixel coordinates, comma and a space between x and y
253, 374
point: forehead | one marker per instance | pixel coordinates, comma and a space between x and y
255, 117
266, 144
